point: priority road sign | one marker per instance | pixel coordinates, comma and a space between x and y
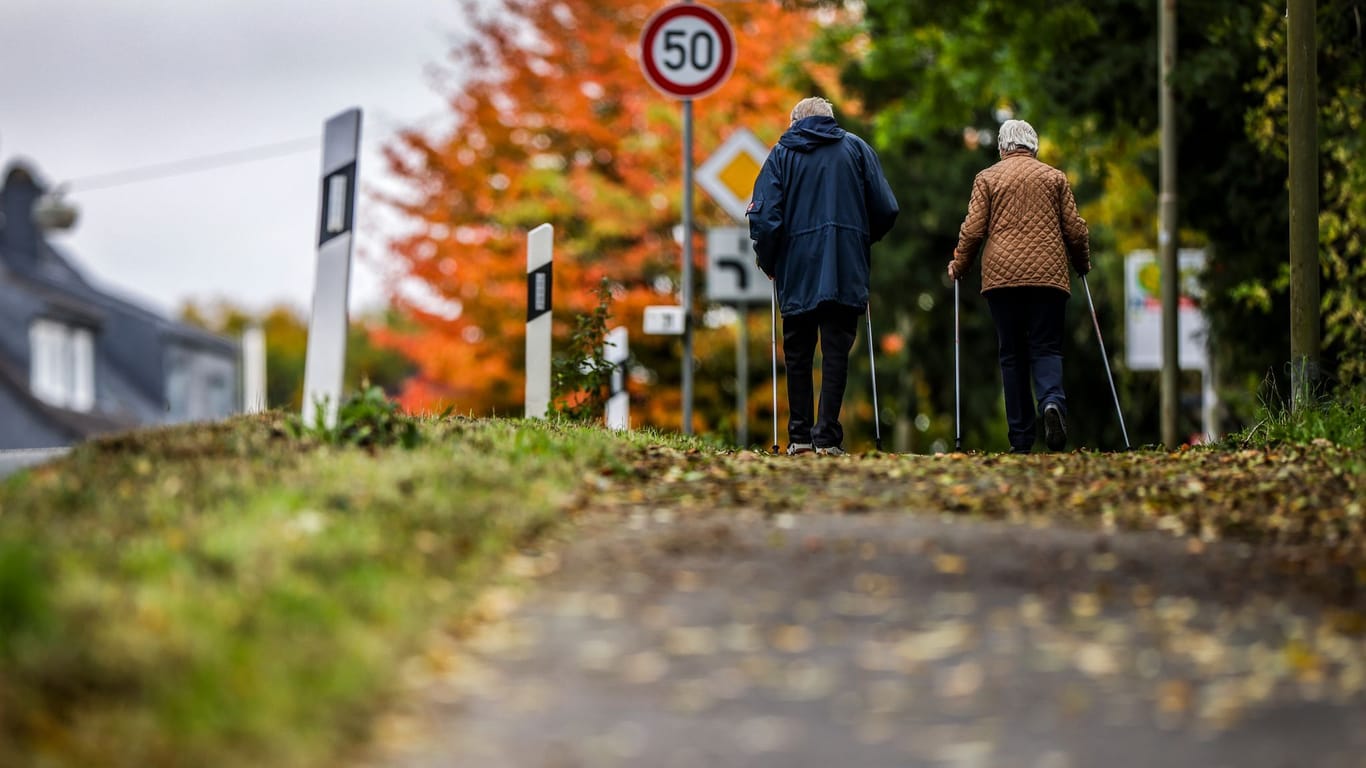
733, 275
687, 50
729, 174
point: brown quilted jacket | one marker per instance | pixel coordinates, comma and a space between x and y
1025, 212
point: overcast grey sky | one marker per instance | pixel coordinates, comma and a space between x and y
89, 87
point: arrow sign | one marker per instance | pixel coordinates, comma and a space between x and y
741, 273
733, 276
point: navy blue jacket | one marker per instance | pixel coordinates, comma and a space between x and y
819, 204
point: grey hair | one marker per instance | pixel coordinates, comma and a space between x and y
814, 106
1017, 134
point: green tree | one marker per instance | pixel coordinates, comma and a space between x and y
930, 82
929, 77
1342, 141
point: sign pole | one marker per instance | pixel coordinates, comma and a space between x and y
325, 359
742, 379
540, 251
687, 51
734, 278
687, 267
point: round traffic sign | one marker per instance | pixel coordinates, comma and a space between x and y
687, 50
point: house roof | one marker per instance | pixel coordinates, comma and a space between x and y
75, 424
37, 279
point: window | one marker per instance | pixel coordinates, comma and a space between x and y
62, 364
200, 386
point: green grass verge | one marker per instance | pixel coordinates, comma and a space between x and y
1339, 419
229, 595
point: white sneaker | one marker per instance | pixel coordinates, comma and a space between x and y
797, 449
833, 450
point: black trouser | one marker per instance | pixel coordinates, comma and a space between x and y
837, 325
1029, 324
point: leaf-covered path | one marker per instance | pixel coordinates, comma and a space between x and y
1192, 609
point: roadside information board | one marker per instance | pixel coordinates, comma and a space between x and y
1143, 312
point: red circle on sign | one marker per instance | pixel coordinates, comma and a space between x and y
724, 38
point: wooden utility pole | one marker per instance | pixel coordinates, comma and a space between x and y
1167, 227
1302, 85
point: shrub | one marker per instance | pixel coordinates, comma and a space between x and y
366, 419
1339, 417
583, 375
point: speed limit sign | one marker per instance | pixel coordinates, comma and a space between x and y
687, 50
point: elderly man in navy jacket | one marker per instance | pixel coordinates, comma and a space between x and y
819, 204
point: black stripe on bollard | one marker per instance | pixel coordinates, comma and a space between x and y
538, 292
339, 201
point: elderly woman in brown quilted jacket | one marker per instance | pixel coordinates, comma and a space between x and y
1024, 213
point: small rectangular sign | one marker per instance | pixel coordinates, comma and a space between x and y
664, 320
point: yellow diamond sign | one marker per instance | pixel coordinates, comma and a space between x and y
729, 174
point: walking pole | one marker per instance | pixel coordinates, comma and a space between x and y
957, 409
773, 347
1105, 359
872, 374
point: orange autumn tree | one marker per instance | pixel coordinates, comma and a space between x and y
554, 122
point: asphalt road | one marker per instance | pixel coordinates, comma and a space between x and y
646, 637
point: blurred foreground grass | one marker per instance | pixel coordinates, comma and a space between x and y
228, 595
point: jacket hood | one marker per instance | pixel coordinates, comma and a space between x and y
811, 132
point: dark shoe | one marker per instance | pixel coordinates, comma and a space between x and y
832, 450
1054, 428
1021, 450
797, 449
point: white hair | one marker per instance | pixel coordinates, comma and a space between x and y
814, 106
1017, 134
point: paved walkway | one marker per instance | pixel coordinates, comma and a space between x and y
814, 640
13, 461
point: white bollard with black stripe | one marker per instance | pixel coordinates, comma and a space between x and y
540, 245
617, 351
325, 362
